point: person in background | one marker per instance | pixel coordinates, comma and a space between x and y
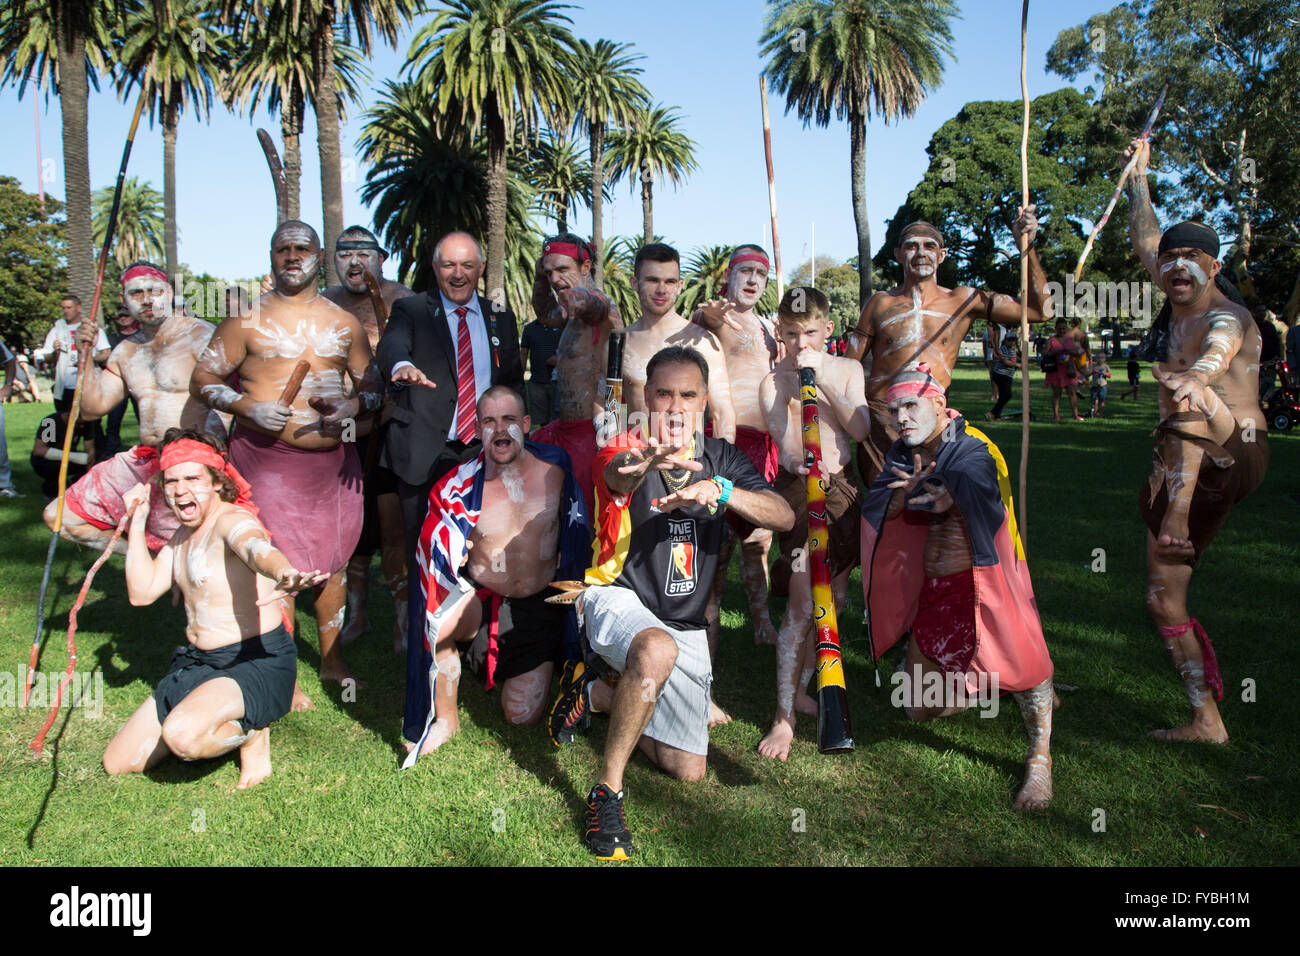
1004, 371
1099, 376
538, 345
47, 452
7, 489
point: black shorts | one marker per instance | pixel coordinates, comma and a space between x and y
530, 632
381, 481
264, 667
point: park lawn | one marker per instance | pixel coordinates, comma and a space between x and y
937, 793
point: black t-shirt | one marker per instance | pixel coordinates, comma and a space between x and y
668, 558
541, 341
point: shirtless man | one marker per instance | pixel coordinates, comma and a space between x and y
974, 625
803, 323
513, 550
750, 349
1212, 449
357, 252
564, 292
306, 481
923, 321
153, 365
236, 675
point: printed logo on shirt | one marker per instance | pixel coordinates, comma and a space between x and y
681, 564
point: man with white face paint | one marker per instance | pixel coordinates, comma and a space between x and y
153, 365
922, 321
235, 674
305, 476
749, 346
485, 590
941, 558
1211, 450
356, 253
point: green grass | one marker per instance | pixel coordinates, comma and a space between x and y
938, 793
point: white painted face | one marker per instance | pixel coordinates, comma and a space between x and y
1181, 275
915, 419
189, 492
352, 266
502, 424
746, 283
295, 257
148, 299
920, 256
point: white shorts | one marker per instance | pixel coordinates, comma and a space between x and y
614, 616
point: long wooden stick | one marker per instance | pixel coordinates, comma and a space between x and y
1119, 188
771, 187
834, 728
277, 176
1024, 279
83, 366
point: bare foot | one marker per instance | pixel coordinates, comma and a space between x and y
1174, 547
439, 734
255, 759
1036, 793
777, 742
717, 716
804, 704
1207, 733
340, 673
300, 700
356, 626
764, 633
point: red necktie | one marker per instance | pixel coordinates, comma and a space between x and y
466, 417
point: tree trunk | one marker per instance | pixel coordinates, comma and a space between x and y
858, 174
597, 194
170, 121
496, 205
73, 97
327, 140
647, 204
561, 217
1291, 310
1244, 203
290, 130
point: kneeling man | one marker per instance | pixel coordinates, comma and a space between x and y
941, 557
497, 530
664, 490
236, 674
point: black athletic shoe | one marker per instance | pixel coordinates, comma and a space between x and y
607, 835
571, 713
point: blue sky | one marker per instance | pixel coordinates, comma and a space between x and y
700, 57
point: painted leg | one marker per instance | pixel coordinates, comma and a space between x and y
357, 579
80, 531
753, 574
205, 724
1036, 710
138, 746
790, 643
331, 605
461, 624
524, 698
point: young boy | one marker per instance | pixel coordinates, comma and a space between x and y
803, 325
1134, 373
1100, 375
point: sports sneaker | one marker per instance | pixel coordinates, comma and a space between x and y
10, 493
607, 835
571, 713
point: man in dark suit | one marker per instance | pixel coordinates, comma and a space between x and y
441, 351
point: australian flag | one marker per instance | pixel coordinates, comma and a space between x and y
454, 506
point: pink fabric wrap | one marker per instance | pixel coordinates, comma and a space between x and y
310, 501
1209, 660
97, 497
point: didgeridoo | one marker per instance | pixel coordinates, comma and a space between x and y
295, 382
613, 401
834, 732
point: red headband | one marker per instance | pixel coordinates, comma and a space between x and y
916, 381
577, 253
143, 270
749, 256
187, 450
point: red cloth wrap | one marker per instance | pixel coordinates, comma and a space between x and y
143, 270
312, 503
187, 450
97, 497
494, 624
1209, 661
944, 626
577, 437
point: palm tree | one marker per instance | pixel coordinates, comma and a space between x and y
704, 271
561, 176
426, 182
366, 20
495, 65
63, 44
850, 57
141, 222
652, 146
175, 50
275, 64
606, 93
617, 257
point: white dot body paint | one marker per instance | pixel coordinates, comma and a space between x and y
1196, 272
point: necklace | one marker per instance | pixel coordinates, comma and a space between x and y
676, 484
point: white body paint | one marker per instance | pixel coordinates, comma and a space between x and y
1196, 272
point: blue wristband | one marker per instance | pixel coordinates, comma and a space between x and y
724, 489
